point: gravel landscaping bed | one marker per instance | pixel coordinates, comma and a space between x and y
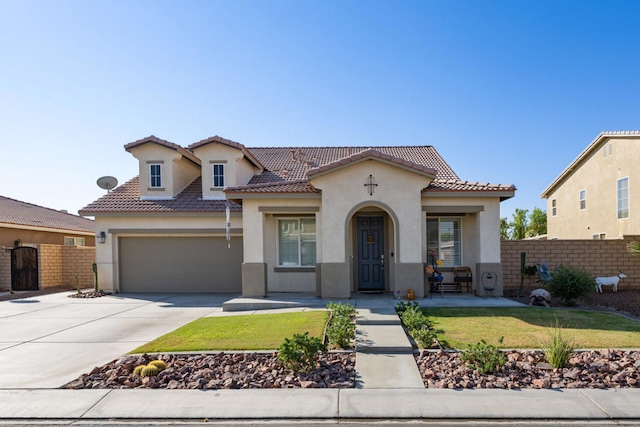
220, 371
527, 369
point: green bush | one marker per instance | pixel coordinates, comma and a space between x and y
340, 331
425, 337
484, 358
570, 282
341, 309
402, 306
557, 351
299, 353
413, 318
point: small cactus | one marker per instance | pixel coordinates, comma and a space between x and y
149, 371
158, 364
138, 370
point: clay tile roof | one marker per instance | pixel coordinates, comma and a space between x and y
153, 139
219, 140
126, 198
20, 213
439, 185
367, 154
282, 187
293, 163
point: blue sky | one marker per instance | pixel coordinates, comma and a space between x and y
508, 91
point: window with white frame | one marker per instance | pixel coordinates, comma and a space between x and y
297, 242
599, 236
623, 198
155, 175
554, 207
218, 175
444, 241
583, 199
74, 241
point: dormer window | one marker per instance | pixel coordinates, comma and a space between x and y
155, 175
218, 175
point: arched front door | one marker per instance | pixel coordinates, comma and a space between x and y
370, 241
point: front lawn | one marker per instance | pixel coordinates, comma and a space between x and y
244, 332
526, 327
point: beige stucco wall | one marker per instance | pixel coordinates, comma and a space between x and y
397, 193
177, 171
598, 175
238, 171
149, 225
260, 217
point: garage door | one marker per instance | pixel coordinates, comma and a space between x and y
180, 264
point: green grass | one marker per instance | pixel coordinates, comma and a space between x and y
245, 332
527, 327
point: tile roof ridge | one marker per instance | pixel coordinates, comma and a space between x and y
268, 184
215, 138
152, 138
363, 147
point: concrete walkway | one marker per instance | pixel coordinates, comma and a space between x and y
46, 341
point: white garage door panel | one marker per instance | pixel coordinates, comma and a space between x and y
180, 264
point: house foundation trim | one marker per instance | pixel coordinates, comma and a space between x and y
409, 276
254, 280
333, 280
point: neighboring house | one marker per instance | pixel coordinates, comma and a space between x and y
323, 220
42, 247
595, 197
23, 223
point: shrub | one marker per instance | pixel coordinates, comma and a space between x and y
341, 309
413, 318
402, 306
299, 353
557, 351
425, 337
340, 331
570, 282
484, 358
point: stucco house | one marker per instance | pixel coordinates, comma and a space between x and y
322, 220
593, 197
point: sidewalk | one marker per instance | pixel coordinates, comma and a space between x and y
388, 387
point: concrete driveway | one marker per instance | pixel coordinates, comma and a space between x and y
49, 340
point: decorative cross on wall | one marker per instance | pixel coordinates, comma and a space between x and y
370, 184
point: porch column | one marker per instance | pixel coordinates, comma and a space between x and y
254, 267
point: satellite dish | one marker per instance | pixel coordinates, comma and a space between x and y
107, 183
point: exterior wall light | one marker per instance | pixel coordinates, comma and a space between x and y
101, 237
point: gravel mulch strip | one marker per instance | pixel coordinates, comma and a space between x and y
527, 369
220, 371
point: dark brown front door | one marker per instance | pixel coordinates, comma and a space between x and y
371, 253
24, 269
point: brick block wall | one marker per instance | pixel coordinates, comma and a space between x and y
5, 270
77, 261
50, 265
600, 257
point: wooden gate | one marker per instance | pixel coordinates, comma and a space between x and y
24, 269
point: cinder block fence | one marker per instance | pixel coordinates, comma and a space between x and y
599, 257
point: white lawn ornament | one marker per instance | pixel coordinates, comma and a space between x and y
609, 281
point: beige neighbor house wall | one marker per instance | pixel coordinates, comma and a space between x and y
600, 257
596, 171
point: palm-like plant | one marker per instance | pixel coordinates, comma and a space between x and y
634, 248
